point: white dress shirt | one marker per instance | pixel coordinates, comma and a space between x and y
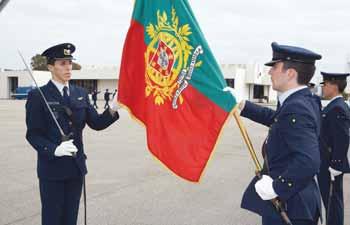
60, 86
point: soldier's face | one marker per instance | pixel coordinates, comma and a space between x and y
328, 90
279, 77
61, 70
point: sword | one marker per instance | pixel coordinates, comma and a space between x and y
3, 4
330, 196
64, 137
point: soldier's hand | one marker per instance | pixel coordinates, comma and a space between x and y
231, 90
334, 173
264, 188
114, 105
66, 148
239, 100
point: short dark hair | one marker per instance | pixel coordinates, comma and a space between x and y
305, 71
341, 84
50, 61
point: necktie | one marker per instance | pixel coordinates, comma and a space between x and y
66, 100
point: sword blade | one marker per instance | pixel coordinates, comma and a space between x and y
3, 3
42, 95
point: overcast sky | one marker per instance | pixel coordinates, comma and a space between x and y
238, 31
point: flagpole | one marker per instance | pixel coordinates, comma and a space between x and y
276, 201
247, 141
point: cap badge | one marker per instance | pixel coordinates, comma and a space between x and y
66, 51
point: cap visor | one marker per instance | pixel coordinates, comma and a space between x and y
272, 62
68, 58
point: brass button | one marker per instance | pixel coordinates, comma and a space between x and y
70, 123
290, 184
294, 120
283, 180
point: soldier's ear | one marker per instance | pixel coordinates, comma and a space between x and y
50, 67
292, 73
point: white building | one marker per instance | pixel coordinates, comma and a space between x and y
251, 81
91, 77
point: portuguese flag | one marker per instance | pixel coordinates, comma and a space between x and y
171, 83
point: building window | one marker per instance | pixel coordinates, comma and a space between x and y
230, 82
258, 92
13, 84
89, 85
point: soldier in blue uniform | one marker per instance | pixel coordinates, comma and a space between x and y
291, 150
106, 97
61, 164
334, 144
94, 97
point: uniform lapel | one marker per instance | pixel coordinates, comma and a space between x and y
73, 95
54, 92
297, 94
331, 105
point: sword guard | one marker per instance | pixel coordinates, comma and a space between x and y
67, 138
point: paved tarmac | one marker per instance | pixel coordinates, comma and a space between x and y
126, 185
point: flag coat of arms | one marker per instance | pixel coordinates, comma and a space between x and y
170, 82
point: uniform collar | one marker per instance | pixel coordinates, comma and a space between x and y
60, 86
283, 96
334, 98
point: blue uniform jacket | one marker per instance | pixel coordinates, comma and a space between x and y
44, 136
292, 149
335, 135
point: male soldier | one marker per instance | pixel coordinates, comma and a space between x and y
94, 97
61, 164
334, 144
291, 150
106, 97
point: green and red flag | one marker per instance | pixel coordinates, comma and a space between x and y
170, 82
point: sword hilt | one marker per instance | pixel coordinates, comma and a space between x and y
67, 138
277, 204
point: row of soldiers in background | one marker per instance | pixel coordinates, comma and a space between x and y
107, 95
303, 141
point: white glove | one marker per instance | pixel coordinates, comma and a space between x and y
236, 96
66, 148
114, 105
264, 188
231, 90
334, 173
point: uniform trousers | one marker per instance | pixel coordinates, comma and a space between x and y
60, 201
